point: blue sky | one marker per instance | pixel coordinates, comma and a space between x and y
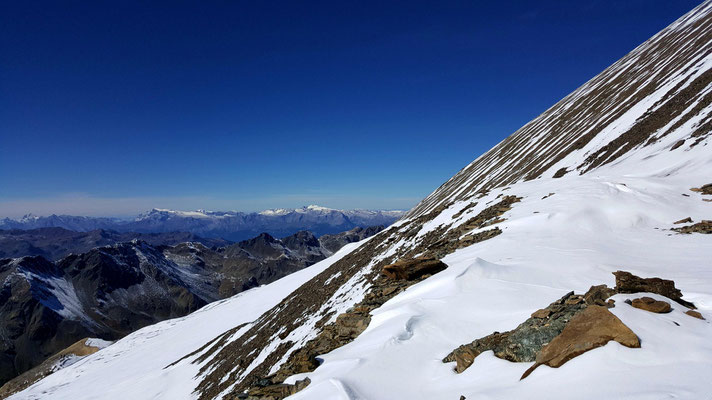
112, 108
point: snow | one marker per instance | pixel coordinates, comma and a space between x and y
616, 217
588, 229
133, 367
591, 226
98, 343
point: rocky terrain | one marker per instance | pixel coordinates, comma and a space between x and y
111, 291
586, 194
229, 225
56, 243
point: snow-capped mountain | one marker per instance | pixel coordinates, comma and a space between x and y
464, 296
110, 291
230, 225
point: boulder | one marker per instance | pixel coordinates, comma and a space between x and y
412, 269
694, 313
683, 221
629, 283
591, 328
597, 295
652, 305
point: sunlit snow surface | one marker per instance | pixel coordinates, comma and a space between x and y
591, 226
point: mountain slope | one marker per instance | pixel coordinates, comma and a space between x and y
111, 291
57, 243
592, 186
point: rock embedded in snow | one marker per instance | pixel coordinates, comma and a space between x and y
593, 327
652, 305
413, 268
705, 226
523, 343
704, 189
598, 295
629, 283
683, 221
695, 314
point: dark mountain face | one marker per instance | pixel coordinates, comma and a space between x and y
55, 243
110, 291
234, 226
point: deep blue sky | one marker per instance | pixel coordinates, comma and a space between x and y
116, 107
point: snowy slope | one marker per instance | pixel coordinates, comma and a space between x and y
601, 176
133, 368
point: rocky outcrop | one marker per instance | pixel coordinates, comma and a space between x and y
629, 283
111, 291
683, 221
704, 226
394, 278
523, 343
599, 296
571, 325
413, 269
591, 328
650, 304
704, 189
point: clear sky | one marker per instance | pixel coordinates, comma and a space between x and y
112, 108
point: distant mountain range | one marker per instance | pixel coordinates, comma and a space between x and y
229, 225
113, 290
55, 243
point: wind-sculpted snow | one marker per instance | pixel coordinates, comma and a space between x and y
592, 186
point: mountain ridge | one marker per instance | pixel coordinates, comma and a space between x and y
228, 225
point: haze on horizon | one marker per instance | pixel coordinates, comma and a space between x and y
113, 109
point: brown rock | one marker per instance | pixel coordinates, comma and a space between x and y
597, 295
704, 189
591, 328
694, 313
541, 313
705, 226
683, 221
629, 283
652, 305
411, 269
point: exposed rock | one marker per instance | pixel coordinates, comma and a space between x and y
652, 305
704, 189
541, 313
629, 283
593, 327
683, 221
705, 226
561, 172
597, 295
276, 392
445, 240
413, 269
694, 313
677, 144
525, 341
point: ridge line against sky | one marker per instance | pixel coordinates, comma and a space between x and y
113, 109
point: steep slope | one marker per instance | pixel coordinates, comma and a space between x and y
592, 186
110, 291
